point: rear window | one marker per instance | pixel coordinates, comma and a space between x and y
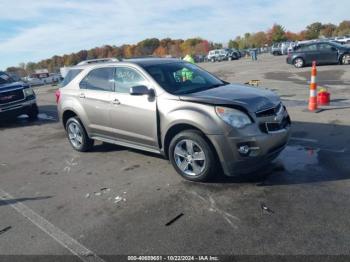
5, 78
70, 76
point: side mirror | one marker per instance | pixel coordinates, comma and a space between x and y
139, 90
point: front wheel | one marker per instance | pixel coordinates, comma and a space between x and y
33, 112
77, 135
192, 156
298, 62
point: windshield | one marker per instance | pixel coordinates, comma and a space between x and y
5, 78
182, 78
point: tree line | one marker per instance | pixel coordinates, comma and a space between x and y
180, 47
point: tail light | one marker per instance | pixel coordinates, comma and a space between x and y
58, 95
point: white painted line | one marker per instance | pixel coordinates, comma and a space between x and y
61, 237
304, 139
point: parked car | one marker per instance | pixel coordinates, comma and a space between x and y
322, 52
16, 98
276, 49
176, 109
218, 55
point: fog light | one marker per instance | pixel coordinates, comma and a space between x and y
244, 149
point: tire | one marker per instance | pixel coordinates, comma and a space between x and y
298, 62
230, 58
77, 135
212, 60
192, 156
345, 59
33, 112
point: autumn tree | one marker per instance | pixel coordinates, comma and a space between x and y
343, 28
328, 30
276, 34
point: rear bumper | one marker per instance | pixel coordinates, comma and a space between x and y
15, 109
265, 148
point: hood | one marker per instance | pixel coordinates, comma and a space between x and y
11, 86
250, 98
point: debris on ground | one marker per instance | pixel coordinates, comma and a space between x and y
2, 231
87, 195
117, 199
266, 209
174, 219
98, 194
131, 167
105, 190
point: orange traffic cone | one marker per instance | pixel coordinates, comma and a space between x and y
313, 88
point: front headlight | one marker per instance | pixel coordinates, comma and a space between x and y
28, 91
233, 117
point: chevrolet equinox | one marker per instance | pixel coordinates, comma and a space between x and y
202, 124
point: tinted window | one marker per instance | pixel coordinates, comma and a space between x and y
70, 76
325, 47
99, 79
182, 78
307, 48
126, 78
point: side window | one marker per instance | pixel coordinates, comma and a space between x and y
126, 78
325, 47
70, 76
99, 79
308, 48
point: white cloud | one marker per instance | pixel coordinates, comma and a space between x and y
58, 27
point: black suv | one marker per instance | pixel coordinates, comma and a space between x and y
16, 98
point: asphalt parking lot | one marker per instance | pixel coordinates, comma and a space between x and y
113, 200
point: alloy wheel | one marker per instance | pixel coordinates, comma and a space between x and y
189, 157
346, 59
75, 135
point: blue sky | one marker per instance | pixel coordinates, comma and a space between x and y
31, 30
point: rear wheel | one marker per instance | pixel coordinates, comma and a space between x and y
77, 135
212, 60
345, 59
191, 156
298, 62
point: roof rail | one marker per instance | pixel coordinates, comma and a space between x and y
100, 60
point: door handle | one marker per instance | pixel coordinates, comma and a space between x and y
82, 95
115, 101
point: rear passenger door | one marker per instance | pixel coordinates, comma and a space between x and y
133, 117
95, 98
328, 53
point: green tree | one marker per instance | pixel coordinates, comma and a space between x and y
313, 30
233, 44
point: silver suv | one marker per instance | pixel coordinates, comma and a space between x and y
167, 106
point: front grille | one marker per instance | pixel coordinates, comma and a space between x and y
11, 96
273, 127
269, 112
